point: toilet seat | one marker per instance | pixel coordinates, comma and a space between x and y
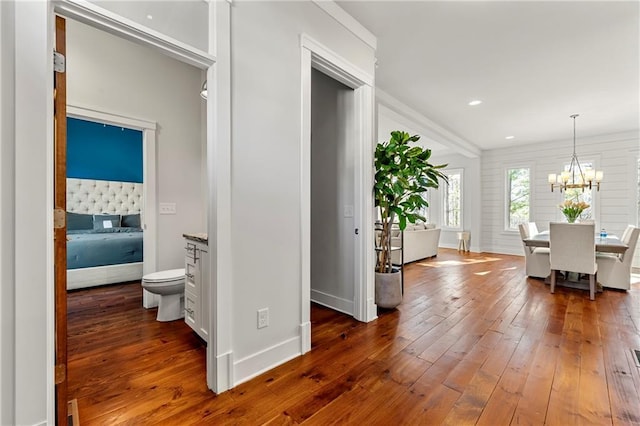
164, 276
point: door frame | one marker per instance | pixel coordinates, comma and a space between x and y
149, 213
317, 56
101, 19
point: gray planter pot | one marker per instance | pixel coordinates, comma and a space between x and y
388, 289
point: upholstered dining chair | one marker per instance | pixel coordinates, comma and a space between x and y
615, 271
625, 234
573, 249
536, 258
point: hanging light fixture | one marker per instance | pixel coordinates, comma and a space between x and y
576, 176
203, 91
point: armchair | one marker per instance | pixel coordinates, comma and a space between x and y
614, 271
536, 258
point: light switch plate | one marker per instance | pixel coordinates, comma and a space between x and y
167, 208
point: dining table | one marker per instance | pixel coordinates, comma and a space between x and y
608, 244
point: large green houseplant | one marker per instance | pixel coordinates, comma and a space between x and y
403, 175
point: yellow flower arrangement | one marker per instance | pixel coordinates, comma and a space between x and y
573, 209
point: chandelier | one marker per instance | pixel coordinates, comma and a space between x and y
576, 176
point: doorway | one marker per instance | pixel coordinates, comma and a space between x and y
358, 123
180, 145
332, 194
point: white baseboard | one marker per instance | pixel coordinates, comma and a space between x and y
372, 310
224, 370
305, 337
101, 275
336, 303
247, 368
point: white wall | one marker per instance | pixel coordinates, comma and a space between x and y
616, 202
185, 20
7, 258
332, 190
110, 74
266, 170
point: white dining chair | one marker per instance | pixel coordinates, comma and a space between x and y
615, 271
536, 258
573, 249
625, 234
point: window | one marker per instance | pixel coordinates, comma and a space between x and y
586, 195
452, 199
518, 197
425, 210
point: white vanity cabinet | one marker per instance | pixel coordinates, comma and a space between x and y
196, 285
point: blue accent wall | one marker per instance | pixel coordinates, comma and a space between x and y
101, 151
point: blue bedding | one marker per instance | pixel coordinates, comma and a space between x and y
100, 247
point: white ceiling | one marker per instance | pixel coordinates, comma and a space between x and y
531, 63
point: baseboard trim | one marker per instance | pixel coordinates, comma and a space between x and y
330, 301
249, 367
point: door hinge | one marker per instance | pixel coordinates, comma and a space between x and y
61, 373
59, 62
59, 218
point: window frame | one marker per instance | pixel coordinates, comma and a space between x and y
443, 209
507, 196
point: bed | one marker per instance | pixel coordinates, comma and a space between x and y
104, 232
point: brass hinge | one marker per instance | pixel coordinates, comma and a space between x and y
59, 62
61, 373
59, 218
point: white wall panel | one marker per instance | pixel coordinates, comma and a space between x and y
613, 154
266, 163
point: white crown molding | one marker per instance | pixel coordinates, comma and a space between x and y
348, 21
430, 129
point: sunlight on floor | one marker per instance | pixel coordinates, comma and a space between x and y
438, 264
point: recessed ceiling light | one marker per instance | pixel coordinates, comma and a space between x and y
510, 137
150, 17
475, 102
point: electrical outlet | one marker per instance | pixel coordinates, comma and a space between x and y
263, 317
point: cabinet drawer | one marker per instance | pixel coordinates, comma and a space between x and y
191, 278
191, 310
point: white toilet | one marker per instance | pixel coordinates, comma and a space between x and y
169, 285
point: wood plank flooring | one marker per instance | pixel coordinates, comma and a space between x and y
475, 342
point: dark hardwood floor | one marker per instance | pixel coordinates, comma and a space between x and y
475, 342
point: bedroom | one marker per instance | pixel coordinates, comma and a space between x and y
104, 203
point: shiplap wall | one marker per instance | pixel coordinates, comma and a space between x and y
615, 204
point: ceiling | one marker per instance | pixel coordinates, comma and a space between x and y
532, 64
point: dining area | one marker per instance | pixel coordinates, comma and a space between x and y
576, 255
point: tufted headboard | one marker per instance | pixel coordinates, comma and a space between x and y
91, 196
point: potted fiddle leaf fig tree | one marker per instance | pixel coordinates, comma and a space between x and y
403, 176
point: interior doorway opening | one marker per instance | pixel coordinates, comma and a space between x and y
353, 211
113, 84
332, 194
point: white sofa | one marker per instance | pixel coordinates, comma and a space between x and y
420, 241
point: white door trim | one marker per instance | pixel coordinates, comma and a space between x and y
315, 55
149, 213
